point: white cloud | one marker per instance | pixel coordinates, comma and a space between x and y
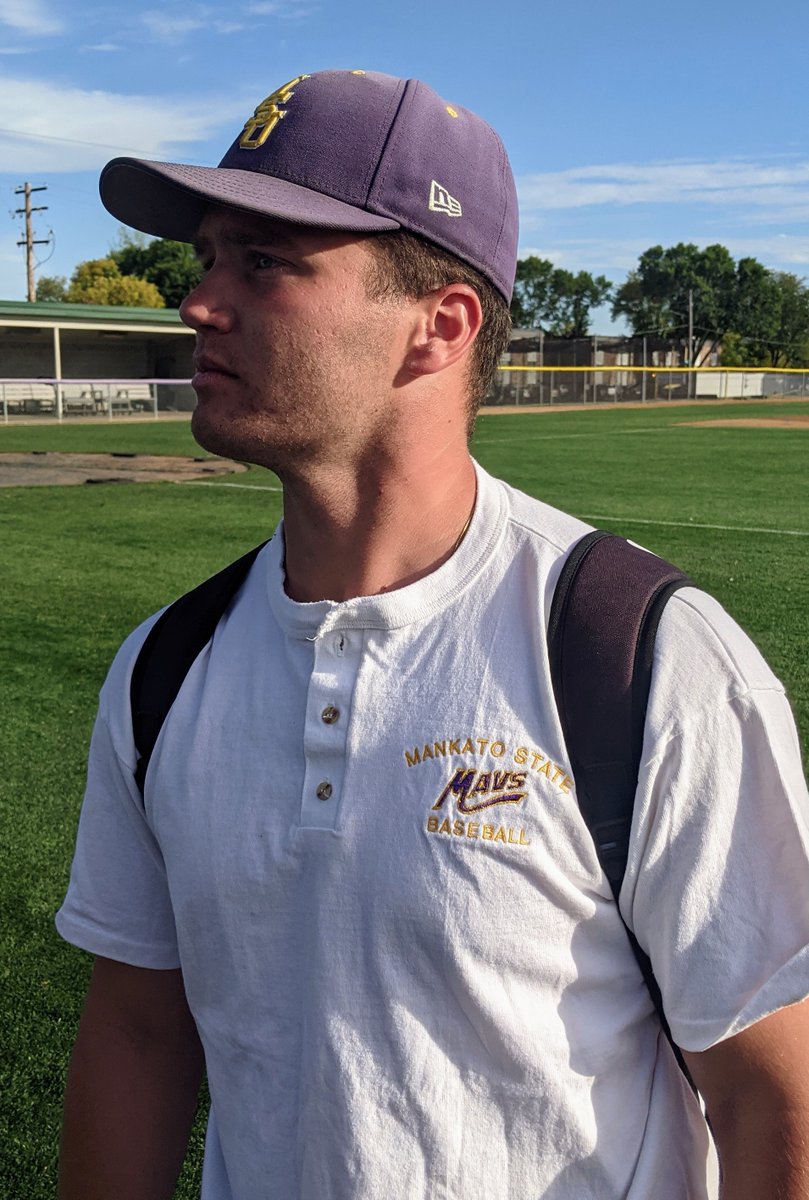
787, 252
780, 186
51, 125
166, 28
30, 16
285, 10
101, 48
602, 218
614, 257
554, 255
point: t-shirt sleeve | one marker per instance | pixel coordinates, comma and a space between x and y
717, 885
118, 904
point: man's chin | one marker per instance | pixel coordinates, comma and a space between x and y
232, 437
216, 436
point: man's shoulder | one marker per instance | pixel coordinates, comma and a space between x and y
121, 667
701, 634
541, 521
705, 663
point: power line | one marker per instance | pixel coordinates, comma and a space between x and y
47, 137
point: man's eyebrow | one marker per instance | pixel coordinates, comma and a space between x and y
271, 237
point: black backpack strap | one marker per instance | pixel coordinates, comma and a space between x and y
606, 608
171, 646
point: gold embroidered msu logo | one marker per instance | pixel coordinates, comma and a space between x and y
268, 114
487, 794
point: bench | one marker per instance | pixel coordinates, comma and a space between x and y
80, 398
28, 397
135, 397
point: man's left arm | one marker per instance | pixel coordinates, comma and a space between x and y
756, 1091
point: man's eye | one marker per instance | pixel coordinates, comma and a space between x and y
263, 261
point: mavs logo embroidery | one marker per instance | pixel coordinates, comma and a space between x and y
442, 202
267, 115
476, 790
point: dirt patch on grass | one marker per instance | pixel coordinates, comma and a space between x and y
46, 469
799, 421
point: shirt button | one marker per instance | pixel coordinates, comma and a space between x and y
330, 714
324, 791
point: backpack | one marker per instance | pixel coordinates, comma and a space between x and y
606, 607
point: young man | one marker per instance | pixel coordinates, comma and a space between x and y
357, 886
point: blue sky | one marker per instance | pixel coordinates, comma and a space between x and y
627, 124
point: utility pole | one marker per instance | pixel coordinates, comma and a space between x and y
643, 374
29, 241
691, 376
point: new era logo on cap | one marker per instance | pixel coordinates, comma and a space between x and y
442, 202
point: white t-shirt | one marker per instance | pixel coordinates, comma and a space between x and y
360, 842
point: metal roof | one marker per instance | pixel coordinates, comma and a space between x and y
49, 313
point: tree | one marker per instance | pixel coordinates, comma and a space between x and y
51, 288
771, 327
99, 281
737, 352
171, 266
791, 346
532, 289
655, 297
550, 298
756, 312
573, 298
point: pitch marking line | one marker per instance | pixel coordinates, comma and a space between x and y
694, 525
245, 487
556, 437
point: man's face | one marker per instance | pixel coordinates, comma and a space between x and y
294, 363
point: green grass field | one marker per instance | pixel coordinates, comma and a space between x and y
82, 565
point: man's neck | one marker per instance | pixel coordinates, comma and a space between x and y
363, 532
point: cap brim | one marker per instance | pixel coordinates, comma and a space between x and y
169, 200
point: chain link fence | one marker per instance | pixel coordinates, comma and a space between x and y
518, 386
547, 385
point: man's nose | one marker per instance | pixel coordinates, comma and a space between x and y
206, 306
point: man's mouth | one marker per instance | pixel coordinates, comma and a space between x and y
209, 370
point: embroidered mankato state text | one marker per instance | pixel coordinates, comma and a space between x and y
534, 760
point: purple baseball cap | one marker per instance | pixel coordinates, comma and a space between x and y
351, 150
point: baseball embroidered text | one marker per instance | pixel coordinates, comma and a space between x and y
475, 831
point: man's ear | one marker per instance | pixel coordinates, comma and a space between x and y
449, 321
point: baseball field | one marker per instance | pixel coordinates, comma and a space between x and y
720, 490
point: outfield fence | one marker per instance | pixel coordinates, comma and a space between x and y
541, 385
64, 399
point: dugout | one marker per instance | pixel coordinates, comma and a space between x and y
95, 342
